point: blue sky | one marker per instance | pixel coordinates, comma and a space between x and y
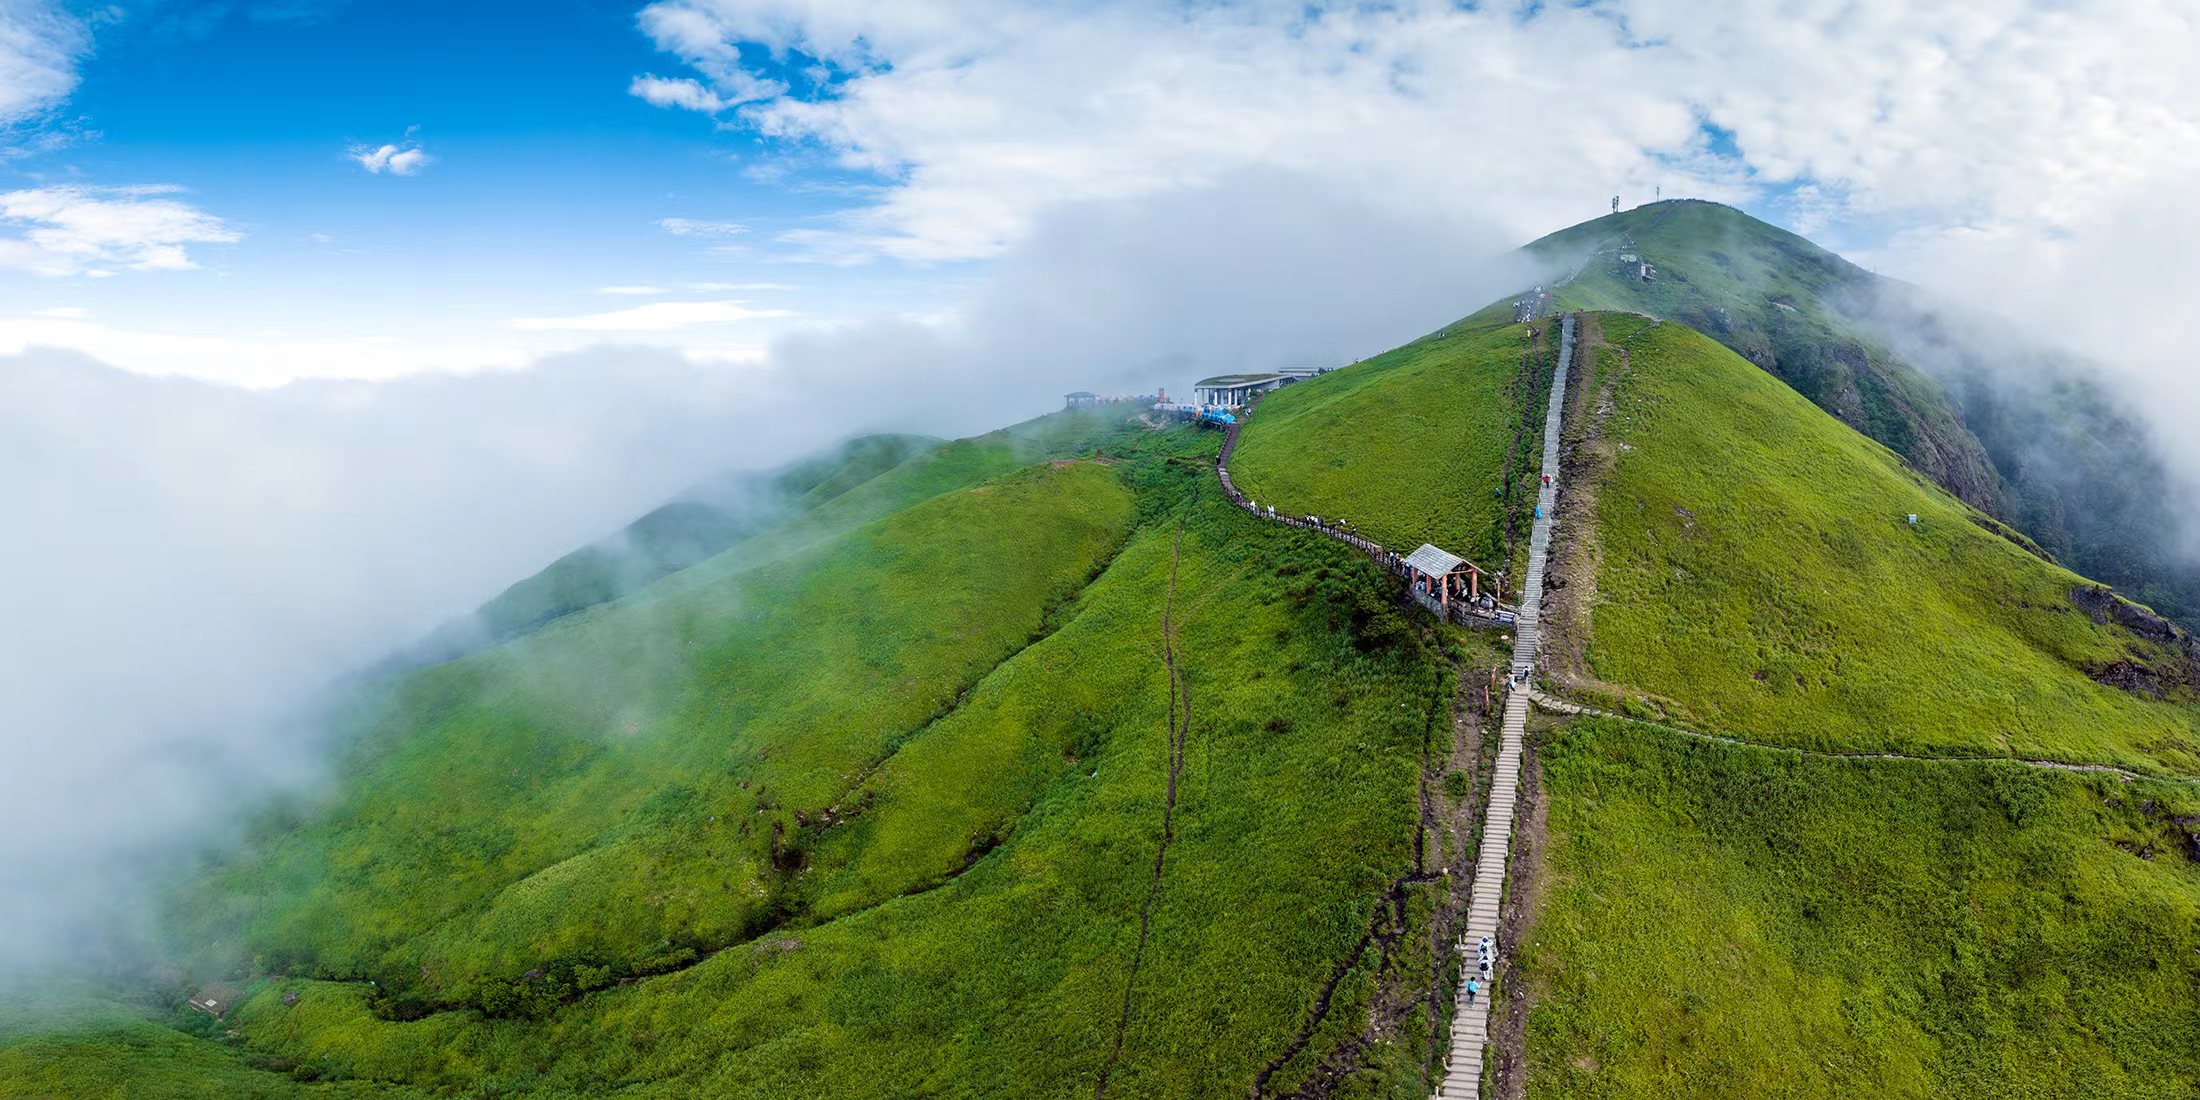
184, 193
546, 180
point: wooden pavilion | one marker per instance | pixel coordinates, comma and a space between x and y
1442, 575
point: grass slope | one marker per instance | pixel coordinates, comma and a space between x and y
1431, 442
1758, 577
698, 524
1723, 921
1766, 293
1999, 416
1008, 978
858, 813
625, 789
76, 1039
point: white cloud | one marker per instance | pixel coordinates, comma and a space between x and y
690, 94
689, 227
406, 159
40, 45
83, 230
643, 290
654, 317
982, 114
690, 35
255, 360
236, 550
685, 93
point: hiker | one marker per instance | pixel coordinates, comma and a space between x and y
1485, 948
1485, 968
1473, 987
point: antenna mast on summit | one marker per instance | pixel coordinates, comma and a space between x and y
1615, 204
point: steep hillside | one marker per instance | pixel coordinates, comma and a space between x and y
2014, 428
1717, 918
1725, 921
510, 810
1010, 791
1431, 442
1755, 573
1767, 294
697, 524
77, 1040
1027, 765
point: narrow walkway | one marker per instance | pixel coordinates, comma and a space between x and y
1470, 1023
1556, 705
1463, 613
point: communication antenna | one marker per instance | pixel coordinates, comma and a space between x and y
1615, 204
1657, 193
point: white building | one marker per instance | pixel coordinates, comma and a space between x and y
1235, 391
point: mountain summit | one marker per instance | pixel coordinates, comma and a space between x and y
2014, 428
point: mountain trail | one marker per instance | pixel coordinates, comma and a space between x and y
1470, 1033
1180, 725
1556, 705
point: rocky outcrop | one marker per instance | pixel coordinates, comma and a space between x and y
2176, 665
2102, 602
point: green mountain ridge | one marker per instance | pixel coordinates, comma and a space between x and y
1027, 765
2018, 430
697, 524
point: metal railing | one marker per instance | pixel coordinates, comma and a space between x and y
1464, 612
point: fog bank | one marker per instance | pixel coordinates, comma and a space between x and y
189, 564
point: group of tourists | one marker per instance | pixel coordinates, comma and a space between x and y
1485, 958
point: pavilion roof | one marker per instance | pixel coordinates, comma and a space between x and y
1433, 562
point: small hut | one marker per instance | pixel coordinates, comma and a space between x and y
216, 999
1443, 575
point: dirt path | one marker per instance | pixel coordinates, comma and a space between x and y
1556, 705
1180, 725
1571, 589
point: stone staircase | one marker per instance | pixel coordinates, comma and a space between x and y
1470, 1023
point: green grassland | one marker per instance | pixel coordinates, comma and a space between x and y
1758, 577
1768, 294
703, 521
77, 1038
871, 809
1026, 766
1294, 812
1432, 442
623, 789
1728, 921
1999, 416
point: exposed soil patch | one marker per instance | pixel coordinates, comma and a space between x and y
1570, 587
